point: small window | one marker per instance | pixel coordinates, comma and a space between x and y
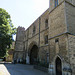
57, 40
46, 39
25, 36
46, 23
33, 29
74, 55
56, 3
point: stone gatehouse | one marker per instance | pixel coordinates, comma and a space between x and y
50, 39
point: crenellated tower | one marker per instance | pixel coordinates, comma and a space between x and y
19, 45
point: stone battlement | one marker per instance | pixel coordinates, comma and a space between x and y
21, 28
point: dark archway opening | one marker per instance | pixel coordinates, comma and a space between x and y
33, 55
58, 66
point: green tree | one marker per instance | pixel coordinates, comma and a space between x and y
6, 31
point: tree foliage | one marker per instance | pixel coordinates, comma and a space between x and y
6, 31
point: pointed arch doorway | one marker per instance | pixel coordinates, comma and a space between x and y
33, 54
58, 66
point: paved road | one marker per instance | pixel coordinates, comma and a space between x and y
19, 69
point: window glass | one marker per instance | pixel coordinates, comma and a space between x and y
33, 29
56, 40
56, 3
46, 39
46, 23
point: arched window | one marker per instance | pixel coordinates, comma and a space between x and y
46, 23
34, 29
46, 39
56, 3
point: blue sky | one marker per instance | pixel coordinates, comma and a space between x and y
24, 12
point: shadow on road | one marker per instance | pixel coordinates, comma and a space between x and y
18, 69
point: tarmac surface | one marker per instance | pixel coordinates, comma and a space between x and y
19, 69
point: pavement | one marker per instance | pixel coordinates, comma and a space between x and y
19, 69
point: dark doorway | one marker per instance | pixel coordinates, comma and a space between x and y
34, 55
58, 66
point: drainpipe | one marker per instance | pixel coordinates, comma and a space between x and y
39, 30
39, 37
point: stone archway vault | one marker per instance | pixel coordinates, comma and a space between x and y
34, 54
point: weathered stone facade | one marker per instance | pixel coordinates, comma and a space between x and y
57, 25
19, 44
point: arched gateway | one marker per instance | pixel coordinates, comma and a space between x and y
58, 66
33, 54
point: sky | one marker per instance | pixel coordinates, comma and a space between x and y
24, 12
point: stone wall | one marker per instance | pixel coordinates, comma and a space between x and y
44, 54
19, 44
70, 17
57, 22
73, 2
20, 33
60, 43
70, 1
59, 48
71, 43
20, 39
37, 38
38, 22
52, 4
19, 55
